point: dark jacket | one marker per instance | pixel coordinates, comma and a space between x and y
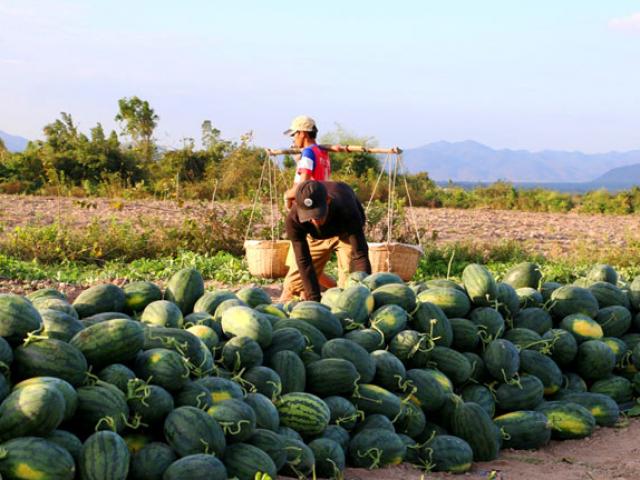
345, 219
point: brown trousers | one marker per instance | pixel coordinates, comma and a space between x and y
321, 251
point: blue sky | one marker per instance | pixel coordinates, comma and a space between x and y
511, 74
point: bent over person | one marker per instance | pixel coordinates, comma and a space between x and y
328, 211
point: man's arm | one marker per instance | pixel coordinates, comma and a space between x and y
290, 195
360, 252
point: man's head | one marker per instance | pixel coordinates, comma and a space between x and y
312, 202
303, 131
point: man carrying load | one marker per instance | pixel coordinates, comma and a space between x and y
332, 217
313, 164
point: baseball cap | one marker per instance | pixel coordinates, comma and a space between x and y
311, 200
301, 124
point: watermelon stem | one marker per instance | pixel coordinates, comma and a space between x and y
136, 421
505, 435
375, 454
3, 453
109, 421
206, 447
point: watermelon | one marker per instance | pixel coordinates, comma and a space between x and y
614, 320
291, 370
617, 388
267, 416
150, 403
374, 399
237, 419
329, 456
563, 346
453, 301
342, 412
471, 423
368, 338
32, 457
331, 376
67, 391
390, 371
394, 294
357, 302
526, 395
354, 353
582, 327
567, 419
108, 342
502, 359
604, 409
570, 299
263, 380
411, 420
303, 412
104, 456
465, 334
101, 407
272, 444
189, 430
430, 388
609, 295
162, 313
198, 466
533, 318
595, 360
209, 301
543, 367
480, 395
603, 273
220, 389
319, 316
430, 319
524, 429
66, 440
285, 339
31, 410
206, 334
59, 325
376, 448
137, 295
246, 462
389, 320
452, 363
243, 321
98, 299
525, 274
253, 296
241, 353
507, 300
50, 358
184, 288
378, 279
490, 323
479, 284
446, 453
162, 367
17, 317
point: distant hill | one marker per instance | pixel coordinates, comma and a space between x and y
471, 161
13, 142
629, 174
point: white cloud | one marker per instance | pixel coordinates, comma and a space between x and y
626, 24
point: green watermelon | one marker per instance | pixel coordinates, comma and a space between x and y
32, 457
98, 299
184, 288
104, 456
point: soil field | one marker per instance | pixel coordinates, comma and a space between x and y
610, 453
553, 234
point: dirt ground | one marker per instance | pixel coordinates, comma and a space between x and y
610, 453
552, 234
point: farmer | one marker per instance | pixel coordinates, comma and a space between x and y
313, 164
330, 214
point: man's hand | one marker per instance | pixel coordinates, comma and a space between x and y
289, 197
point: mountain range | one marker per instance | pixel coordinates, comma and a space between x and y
471, 161
13, 143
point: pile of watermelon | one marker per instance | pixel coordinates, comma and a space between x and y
137, 383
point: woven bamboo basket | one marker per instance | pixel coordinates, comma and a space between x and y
399, 258
267, 258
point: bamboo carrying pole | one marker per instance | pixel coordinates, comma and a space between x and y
338, 149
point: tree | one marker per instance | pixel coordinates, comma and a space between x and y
356, 164
139, 121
